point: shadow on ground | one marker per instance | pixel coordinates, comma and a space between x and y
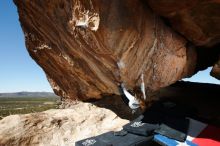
205, 98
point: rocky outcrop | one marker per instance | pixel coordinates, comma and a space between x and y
87, 48
58, 126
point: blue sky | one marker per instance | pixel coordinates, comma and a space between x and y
18, 72
203, 77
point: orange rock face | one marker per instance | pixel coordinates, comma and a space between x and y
88, 47
197, 20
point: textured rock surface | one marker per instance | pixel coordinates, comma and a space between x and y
60, 127
88, 47
197, 20
216, 70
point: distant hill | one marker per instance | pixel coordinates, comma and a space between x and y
28, 94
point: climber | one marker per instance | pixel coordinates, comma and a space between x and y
133, 103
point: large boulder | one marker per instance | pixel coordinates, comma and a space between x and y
87, 48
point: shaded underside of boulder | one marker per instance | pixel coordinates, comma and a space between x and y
87, 48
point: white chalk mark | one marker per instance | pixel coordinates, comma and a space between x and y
143, 87
120, 64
